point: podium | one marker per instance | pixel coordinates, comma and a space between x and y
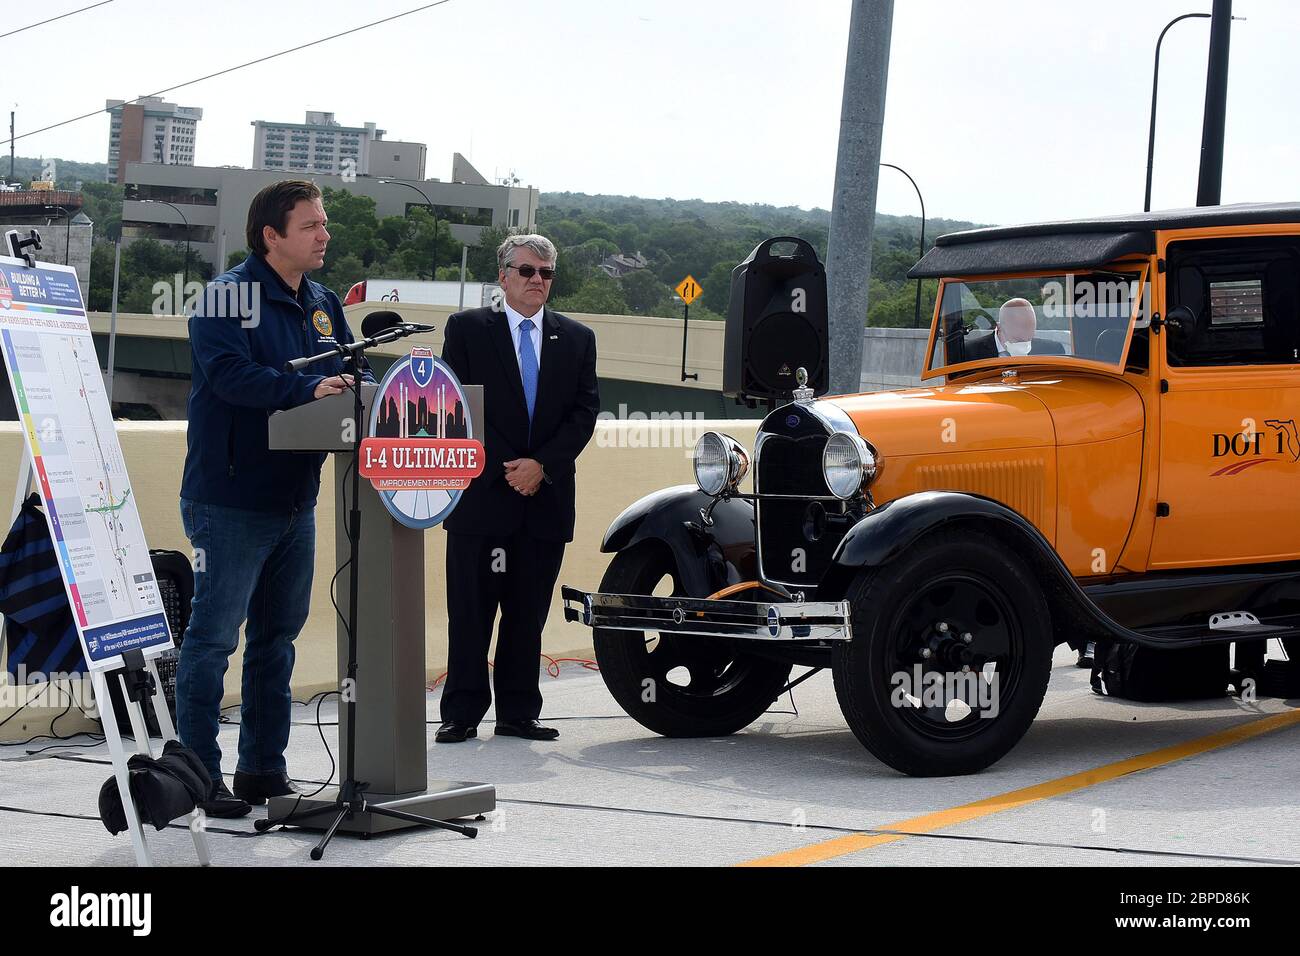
391, 735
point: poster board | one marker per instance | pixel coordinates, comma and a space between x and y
77, 461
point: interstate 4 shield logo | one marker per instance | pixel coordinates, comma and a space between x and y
422, 366
419, 454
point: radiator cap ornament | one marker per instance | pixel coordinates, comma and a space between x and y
803, 395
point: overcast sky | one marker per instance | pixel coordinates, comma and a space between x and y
1003, 110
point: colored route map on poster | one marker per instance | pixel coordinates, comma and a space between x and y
72, 441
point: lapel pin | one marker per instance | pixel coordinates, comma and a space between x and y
553, 337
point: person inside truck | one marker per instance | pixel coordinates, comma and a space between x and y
1014, 335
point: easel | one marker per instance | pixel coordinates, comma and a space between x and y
137, 675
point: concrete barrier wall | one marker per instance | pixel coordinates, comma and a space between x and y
624, 461
630, 348
892, 358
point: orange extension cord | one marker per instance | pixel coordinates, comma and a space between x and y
552, 667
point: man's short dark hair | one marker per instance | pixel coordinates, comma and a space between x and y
271, 207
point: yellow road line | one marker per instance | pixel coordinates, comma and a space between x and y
928, 823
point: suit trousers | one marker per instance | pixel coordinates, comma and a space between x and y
515, 573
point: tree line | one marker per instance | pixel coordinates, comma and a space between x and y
676, 238
707, 240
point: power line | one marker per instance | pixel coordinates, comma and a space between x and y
52, 19
232, 69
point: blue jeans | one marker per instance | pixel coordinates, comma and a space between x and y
255, 566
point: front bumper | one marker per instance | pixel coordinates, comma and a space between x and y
775, 621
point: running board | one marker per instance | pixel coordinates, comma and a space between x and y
1191, 634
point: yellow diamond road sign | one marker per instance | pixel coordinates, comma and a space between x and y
689, 289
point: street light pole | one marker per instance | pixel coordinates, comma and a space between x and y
164, 202
1155, 87
432, 212
916, 321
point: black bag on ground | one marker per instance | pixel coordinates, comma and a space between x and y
163, 789
1134, 672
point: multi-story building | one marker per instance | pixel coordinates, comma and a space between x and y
213, 201
149, 130
322, 145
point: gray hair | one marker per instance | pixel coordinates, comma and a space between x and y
540, 246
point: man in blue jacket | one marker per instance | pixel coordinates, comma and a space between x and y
249, 512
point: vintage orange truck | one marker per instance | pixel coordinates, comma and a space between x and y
1104, 448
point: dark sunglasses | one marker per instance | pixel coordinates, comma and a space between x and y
529, 271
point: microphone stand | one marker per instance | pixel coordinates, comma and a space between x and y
351, 797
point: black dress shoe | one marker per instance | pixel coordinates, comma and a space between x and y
454, 732
223, 803
530, 729
256, 787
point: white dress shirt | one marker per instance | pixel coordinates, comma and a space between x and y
515, 320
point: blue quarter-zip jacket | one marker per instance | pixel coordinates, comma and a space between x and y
238, 380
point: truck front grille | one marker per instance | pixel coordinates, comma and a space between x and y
788, 552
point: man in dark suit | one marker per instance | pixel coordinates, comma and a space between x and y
506, 537
1014, 335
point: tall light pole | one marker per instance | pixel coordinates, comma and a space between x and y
916, 321
1209, 182
432, 212
1155, 88
853, 203
164, 202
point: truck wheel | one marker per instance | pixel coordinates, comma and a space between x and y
679, 685
950, 656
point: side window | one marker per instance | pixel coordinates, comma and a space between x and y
1238, 302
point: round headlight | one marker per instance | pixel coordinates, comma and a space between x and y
849, 464
721, 463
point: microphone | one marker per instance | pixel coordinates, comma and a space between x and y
378, 322
377, 328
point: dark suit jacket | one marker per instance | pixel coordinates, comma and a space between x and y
985, 346
479, 348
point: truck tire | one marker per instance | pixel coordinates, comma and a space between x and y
963, 607
679, 685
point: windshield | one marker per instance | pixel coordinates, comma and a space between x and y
1081, 315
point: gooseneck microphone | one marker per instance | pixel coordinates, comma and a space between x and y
377, 328
378, 322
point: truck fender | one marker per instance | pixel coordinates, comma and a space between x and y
708, 558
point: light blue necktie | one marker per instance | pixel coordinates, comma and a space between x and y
528, 365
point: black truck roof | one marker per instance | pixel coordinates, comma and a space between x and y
1080, 243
